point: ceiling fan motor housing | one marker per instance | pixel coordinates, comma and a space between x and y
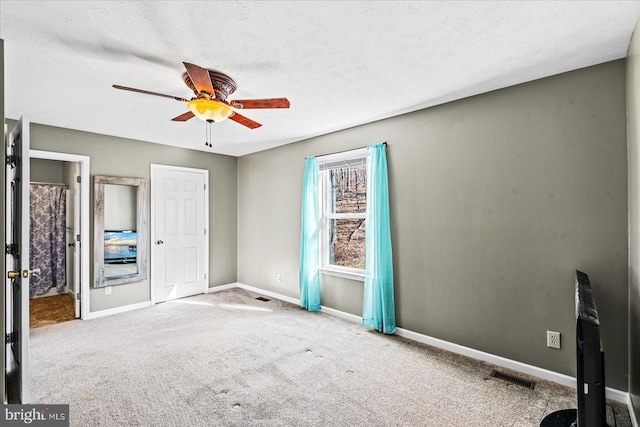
223, 85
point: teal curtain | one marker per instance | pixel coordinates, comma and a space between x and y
378, 309
310, 239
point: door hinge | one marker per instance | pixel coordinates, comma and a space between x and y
10, 338
205, 186
11, 160
205, 231
205, 276
11, 249
78, 180
78, 296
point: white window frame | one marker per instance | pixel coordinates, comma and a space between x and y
325, 163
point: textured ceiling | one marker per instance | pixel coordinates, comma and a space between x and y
341, 64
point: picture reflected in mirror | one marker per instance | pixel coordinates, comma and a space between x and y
120, 252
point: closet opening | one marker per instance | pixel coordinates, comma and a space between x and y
57, 218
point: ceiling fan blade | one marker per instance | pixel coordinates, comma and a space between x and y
184, 117
200, 78
177, 98
261, 103
245, 121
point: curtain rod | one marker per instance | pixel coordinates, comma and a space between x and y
49, 183
343, 151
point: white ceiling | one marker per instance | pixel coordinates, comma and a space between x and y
341, 64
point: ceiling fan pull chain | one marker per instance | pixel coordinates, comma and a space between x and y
206, 134
207, 131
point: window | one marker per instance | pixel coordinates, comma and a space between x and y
343, 201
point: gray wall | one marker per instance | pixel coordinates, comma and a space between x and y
132, 158
43, 170
496, 200
633, 113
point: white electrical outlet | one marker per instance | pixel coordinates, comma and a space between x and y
553, 339
107, 290
279, 277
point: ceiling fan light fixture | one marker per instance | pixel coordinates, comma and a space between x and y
210, 104
208, 109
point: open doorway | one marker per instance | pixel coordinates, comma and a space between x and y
59, 216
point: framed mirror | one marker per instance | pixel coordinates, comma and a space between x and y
120, 230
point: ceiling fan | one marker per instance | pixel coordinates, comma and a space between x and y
211, 89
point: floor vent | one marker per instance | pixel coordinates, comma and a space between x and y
512, 379
263, 299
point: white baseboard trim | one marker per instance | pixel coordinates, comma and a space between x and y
489, 358
116, 310
632, 414
535, 371
268, 293
613, 394
222, 287
341, 314
617, 395
296, 301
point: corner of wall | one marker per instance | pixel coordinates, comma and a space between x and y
633, 147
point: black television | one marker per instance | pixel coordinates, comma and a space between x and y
590, 384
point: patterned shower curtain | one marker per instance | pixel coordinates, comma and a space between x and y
47, 238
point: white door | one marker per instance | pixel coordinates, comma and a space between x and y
179, 254
17, 260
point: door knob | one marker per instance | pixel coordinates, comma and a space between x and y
159, 242
27, 273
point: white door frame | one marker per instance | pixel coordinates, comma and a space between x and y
205, 172
84, 219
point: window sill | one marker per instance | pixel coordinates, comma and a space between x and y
345, 274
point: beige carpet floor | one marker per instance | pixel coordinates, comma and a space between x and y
228, 359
